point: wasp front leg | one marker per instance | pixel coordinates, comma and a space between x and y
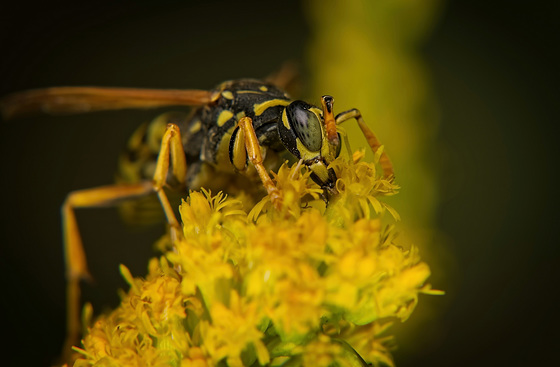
372, 140
247, 146
76, 267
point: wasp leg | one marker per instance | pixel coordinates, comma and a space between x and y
328, 120
372, 140
255, 156
286, 76
76, 266
171, 146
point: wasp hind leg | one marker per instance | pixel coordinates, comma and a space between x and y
171, 151
75, 259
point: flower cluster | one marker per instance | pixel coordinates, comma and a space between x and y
308, 285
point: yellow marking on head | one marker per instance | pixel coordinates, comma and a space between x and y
224, 117
263, 88
259, 108
317, 111
227, 94
195, 127
285, 119
240, 115
305, 153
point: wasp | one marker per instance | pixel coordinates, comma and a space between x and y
240, 130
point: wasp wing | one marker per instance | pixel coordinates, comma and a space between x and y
70, 100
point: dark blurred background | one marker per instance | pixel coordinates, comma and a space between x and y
495, 74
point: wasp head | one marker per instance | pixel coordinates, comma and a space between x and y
309, 133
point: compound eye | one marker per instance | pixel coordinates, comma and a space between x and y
306, 125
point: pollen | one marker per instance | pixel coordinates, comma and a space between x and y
306, 285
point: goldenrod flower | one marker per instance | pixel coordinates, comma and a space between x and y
308, 285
